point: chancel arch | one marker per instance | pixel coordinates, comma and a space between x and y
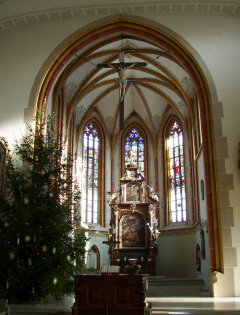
95, 96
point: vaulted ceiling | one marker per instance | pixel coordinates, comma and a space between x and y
150, 90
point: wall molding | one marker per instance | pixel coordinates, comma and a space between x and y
159, 7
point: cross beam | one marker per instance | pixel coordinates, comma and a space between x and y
122, 65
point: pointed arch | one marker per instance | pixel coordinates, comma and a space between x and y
175, 179
134, 139
93, 174
161, 36
94, 258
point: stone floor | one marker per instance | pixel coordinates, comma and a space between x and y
166, 305
172, 298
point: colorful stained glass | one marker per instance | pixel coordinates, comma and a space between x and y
177, 193
90, 175
134, 150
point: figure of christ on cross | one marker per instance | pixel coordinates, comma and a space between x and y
122, 81
121, 69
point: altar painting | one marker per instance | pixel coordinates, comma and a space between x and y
131, 192
133, 231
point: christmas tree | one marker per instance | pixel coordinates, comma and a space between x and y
40, 251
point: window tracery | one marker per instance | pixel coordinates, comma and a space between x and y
90, 174
135, 150
176, 174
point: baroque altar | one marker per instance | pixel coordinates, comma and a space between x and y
133, 226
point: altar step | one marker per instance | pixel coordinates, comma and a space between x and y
163, 287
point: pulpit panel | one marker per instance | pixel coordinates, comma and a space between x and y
109, 294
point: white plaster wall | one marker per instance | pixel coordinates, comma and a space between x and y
107, 183
97, 239
205, 263
176, 257
151, 162
23, 52
202, 202
215, 37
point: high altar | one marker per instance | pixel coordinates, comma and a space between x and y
133, 225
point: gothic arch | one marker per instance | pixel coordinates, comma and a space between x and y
194, 65
101, 161
146, 141
94, 250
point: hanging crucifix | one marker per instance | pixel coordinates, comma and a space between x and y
121, 68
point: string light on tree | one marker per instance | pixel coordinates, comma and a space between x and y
26, 201
27, 238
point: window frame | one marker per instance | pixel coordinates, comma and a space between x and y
143, 134
169, 221
101, 175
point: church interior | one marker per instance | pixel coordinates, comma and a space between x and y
146, 98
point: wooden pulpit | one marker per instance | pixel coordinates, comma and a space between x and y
109, 294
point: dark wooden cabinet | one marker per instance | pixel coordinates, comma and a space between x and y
109, 294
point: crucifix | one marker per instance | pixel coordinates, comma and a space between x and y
121, 69
111, 242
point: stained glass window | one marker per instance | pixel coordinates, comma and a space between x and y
176, 176
134, 150
90, 175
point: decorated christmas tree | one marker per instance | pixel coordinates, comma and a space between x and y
40, 248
